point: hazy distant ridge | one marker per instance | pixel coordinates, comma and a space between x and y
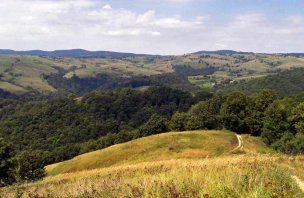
74, 53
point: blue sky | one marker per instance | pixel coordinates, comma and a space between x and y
153, 26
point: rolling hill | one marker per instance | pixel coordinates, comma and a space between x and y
190, 145
183, 164
71, 71
73, 53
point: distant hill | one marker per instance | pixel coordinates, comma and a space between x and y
222, 52
78, 71
293, 54
73, 53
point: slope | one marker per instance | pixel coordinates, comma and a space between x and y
286, 83
175, 145
172, 174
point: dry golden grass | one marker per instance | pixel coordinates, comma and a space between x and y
186, 170
174, 145
237, 176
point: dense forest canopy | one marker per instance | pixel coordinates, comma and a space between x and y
58, 126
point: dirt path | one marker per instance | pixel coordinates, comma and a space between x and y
299, 182
240, 145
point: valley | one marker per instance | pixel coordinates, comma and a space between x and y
21, 74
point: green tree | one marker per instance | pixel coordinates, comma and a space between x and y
30, 166
258, 103
156, 124
234, 112
297, 118
275, 123
178, 121
204, 116
6, 164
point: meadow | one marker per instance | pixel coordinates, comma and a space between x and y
162, 166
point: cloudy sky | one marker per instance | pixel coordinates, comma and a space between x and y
153, 26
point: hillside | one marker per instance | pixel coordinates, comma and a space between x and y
285, 83
184, 164
190, 145
74, 70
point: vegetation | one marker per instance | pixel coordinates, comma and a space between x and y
159, 168
222, 177
6, 165
285, 83
186, 145
61, 128
80, 72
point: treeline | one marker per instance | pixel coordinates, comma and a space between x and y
60, 128
279, 121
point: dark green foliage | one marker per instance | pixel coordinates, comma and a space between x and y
156, 124
59, 127
82, 86
6, 164
30, 166
297, 118
275, 122
234, 111
204, 116
256, 110
178, 121
188, 70
286, 83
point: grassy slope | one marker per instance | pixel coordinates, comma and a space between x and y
194, 145
25, 72
157, 167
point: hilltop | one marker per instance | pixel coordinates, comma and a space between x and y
183, 164
186, 145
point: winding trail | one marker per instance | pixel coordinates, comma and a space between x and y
241, 143
241, 148
299, 182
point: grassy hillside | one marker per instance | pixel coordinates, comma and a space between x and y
190, 145
184, 164
23, 73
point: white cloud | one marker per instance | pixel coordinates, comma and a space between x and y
95, 25
256, 32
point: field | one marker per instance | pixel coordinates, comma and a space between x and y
20, 74
183, 164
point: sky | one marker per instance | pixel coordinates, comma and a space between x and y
166, 27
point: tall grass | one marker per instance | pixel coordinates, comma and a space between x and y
238, 176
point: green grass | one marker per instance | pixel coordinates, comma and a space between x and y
12, 88
175, 145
